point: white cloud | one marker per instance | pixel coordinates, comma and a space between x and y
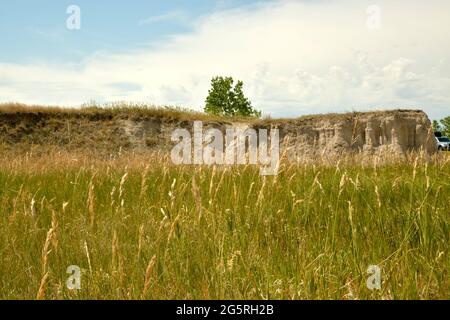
294, 57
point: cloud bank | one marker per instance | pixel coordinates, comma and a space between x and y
294, 57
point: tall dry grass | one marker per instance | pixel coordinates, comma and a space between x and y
142, 228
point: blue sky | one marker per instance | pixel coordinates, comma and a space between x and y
295, 57
35, 30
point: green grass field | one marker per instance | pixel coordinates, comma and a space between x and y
140, 228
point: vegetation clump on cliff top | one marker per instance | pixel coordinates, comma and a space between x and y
136, 111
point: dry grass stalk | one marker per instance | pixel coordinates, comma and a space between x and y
219, 184
143, 183
42, 288
46, 250
123, 180
114, 249
54, 228
91, 204
88, 256
261, 192
197, 197
377, 193
148, 276
172, 229
32, 207
140, 240
231, 261
13, 216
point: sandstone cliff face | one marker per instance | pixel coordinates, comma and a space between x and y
392, 132
396, 132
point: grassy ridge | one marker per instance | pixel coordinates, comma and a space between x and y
112, 110
143, 229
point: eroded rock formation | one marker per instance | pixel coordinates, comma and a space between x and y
396, 131
393, 131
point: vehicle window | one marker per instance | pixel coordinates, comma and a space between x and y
445, 139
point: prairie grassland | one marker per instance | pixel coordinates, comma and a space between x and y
124, 109
141, 228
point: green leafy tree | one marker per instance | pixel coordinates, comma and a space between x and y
445, 126
224, 99
436, 126
219, 98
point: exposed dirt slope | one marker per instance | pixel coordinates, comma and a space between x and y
104, 130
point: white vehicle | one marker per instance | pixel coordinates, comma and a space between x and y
443, 143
